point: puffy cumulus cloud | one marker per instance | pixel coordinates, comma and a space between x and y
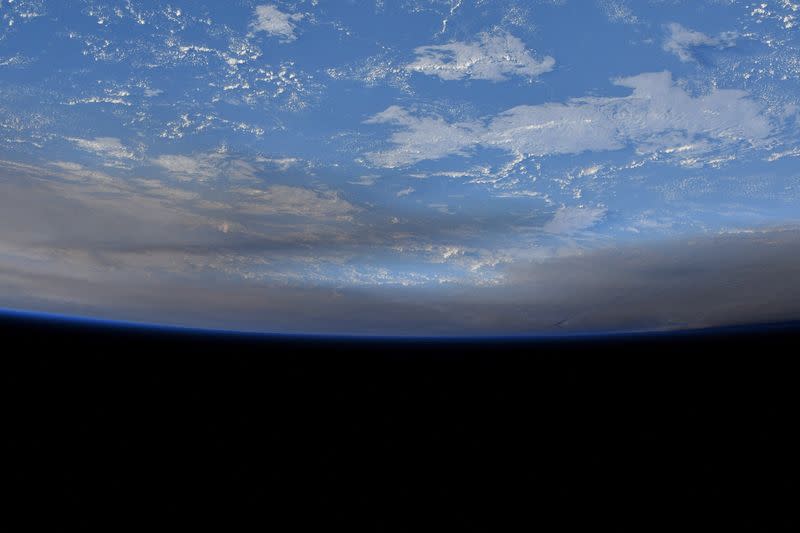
276, 23
657, 115
682, 41
493, 57
422, 138
568, 220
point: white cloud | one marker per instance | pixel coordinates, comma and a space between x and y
282, 163
405, 192
493, 57
375, 70
206, 167
96, 180
568, 220
276, 23
681, 41
297, 201
14, 61
794, 152
185, 168
657, 115
618, 11
422, 138
590, 171
109, 148
364, 181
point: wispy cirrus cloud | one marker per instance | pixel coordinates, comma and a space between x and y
208, 166
110, 149
296, 201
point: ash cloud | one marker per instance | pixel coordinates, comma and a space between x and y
709, 281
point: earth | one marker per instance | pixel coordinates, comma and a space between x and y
412, 167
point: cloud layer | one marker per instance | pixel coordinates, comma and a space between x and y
657, 115
711, 281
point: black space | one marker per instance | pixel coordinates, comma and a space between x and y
109, 428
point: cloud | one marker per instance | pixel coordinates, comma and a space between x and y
422, 138
297, 201
794, 152
203, 167
682, 41
275, 23
282, 163
245, 196
71, 211
14, 61
109, 148
187, 168
71, 222
618, 11
590, 171
699, 282
568, 220
710, 281
365, 181
494, 57
144, 202
657, 115
381, 68
78, 222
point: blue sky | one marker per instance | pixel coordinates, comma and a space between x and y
363, 144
